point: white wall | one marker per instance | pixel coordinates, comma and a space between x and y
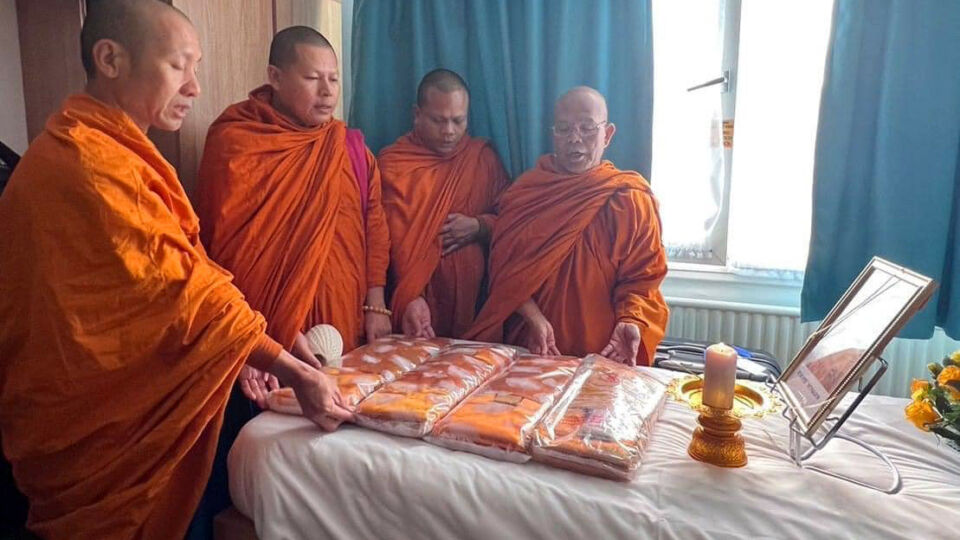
13, 120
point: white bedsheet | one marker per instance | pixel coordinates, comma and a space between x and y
296, 482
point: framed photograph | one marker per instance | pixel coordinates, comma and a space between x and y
855, 332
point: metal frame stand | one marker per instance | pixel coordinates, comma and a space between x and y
797, 436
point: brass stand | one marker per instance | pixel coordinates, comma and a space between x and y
717, 439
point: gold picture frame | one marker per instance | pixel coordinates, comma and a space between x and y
870, 313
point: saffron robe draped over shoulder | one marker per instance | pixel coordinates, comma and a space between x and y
587, 248
420, 189
281, 209
119, 339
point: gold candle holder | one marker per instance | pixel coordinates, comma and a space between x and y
717, 439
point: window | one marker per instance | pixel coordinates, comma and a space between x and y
737, 193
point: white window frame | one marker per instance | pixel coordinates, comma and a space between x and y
715, 254
706, 276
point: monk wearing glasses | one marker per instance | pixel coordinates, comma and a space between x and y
576, 256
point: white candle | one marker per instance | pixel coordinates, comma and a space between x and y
719, 376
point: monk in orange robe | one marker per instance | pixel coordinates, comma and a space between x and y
576, 258
289, 200
119, 339
439, 190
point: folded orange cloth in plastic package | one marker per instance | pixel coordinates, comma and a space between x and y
412, 404
366, 368
392, 355
354, 386
603, 421
497, 421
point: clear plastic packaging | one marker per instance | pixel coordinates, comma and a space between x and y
354, 385
412, 404
366, 368
498, 420
602, 423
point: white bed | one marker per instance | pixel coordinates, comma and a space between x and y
294, 481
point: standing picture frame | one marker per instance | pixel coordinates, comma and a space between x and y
870, 313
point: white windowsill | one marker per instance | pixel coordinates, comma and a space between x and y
708, 286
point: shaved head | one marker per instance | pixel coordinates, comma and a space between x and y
305, 76
127, 22
581, 131
440, 116
443, 80
141, 56
283, 48
583, 98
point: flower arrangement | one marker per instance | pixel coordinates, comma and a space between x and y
935, 404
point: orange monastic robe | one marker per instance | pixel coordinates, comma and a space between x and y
420, 188
119, 339
587, 249
281, 209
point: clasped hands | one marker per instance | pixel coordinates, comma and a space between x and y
458, 231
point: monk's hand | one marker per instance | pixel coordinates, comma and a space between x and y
540, 338
256, 384
376, 325
416, 319
624, 344
458, 231
320, 398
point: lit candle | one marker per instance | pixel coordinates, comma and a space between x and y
719, 376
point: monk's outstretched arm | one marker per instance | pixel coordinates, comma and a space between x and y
157, 260
529, 310
643, 266
540, 336
378, 236
264, 353
377, 323
375, 297
317, 393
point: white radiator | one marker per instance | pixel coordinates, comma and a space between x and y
778, 331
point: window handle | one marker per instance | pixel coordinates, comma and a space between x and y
724, 80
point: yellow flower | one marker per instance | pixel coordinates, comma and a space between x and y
949, 373
919, 385
955, 355
921, 413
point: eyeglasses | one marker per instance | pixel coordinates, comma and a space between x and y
584, 129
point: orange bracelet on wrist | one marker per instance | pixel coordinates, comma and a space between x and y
380, 310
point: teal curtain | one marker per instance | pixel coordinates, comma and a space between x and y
517, 56
887, 171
